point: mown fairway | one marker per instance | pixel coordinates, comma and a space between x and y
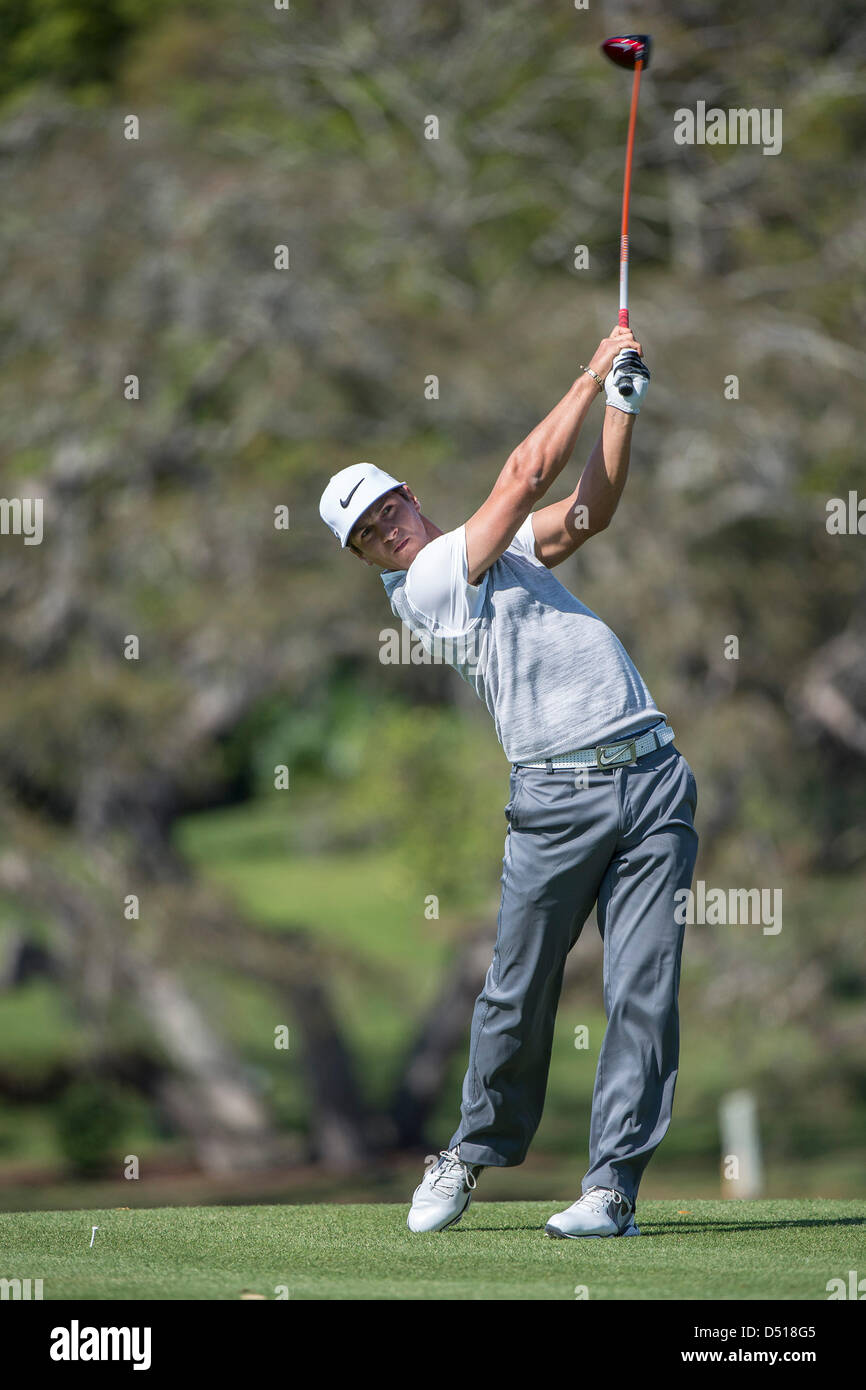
687, 1250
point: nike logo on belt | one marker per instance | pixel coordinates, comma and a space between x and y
345, 503
618, 753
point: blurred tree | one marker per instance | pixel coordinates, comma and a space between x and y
409, 258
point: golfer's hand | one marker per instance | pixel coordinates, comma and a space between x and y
619, 338
627, 383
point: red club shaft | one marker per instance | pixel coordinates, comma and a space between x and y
626, 195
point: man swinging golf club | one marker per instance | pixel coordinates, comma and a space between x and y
602, 803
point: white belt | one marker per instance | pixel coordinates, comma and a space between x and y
610, 754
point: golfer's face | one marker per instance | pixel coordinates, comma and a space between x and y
390, 533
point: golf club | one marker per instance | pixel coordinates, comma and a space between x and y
627, 51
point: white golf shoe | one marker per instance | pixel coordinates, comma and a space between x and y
444, 1192
602, 1211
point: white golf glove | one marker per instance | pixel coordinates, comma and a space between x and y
628, 369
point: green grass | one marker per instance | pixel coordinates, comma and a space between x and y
688, 1249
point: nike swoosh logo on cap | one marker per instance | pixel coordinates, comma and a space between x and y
345, 503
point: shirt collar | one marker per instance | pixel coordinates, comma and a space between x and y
391, 578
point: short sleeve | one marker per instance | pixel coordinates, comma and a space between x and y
437, 585
524, 541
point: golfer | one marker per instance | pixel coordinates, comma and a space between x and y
602, 802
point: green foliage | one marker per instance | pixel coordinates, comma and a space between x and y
434, 784
90, 1116
73, 43
425, 779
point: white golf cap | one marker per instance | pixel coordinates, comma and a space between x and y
349, 493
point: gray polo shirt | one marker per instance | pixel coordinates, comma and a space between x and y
552, 674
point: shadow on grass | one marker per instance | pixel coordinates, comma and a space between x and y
663, 1228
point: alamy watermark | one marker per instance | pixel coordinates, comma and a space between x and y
22, 1289
729, 907
77, 1343
407, 647
738, 126
22, 516
855, 1287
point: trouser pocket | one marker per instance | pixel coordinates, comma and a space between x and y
515, 786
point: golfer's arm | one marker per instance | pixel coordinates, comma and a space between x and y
563, 526
531, 469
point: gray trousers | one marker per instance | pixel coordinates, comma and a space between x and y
626, 842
